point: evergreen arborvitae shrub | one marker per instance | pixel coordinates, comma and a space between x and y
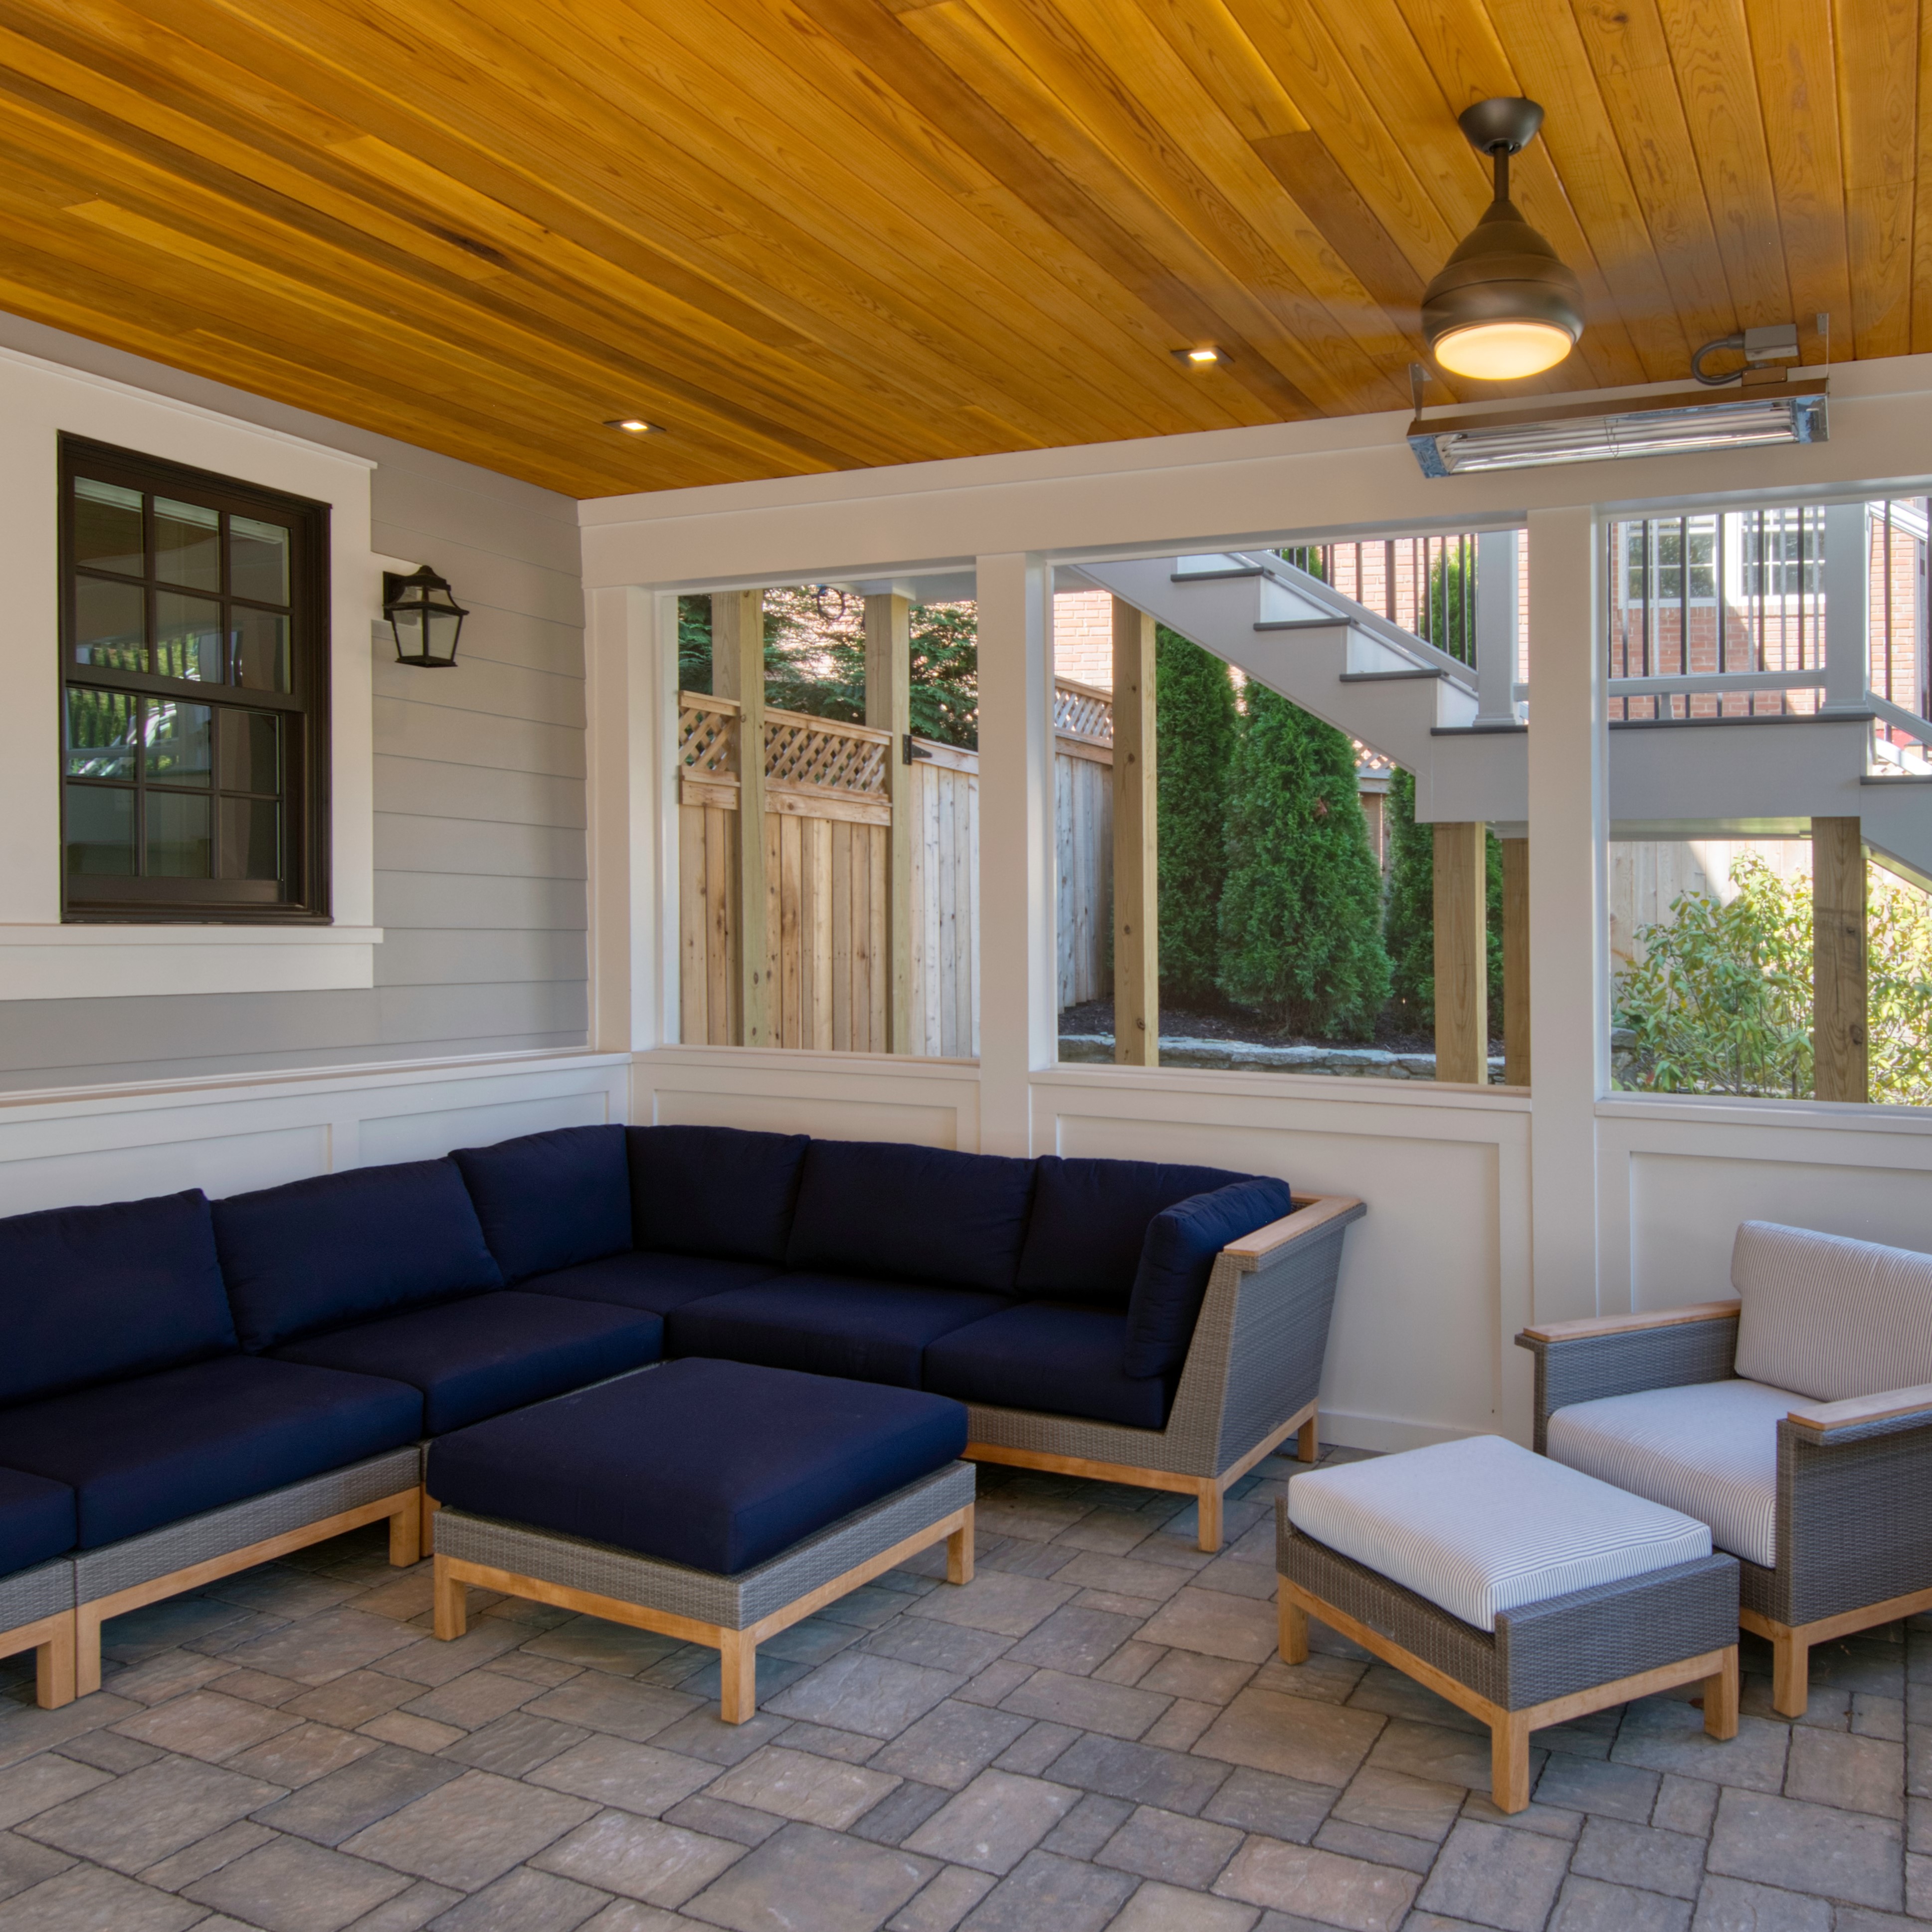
1301, 910
1409, 921
1195, 721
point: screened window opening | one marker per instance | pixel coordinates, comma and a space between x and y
194, 668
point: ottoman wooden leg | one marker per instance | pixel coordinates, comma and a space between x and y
1509, 1760
738, 1669
1721, 1699
1790, 1673
1293, 1629
1208, 1513
959, 1551
406, 1534
1306, 1447
451, 1602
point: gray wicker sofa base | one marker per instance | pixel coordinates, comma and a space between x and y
1544, 1663
1251, 1380
731, 1615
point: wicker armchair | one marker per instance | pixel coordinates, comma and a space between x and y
1853, 1531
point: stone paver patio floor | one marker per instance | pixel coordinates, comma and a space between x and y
1095, 1733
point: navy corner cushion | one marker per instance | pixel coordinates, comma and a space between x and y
714, 1464
142, 1454
478, 1357
1176, 1261
911, 1213
550, 1201
1089, 1221
656, 1283
1064, 1359
90, 1294
717, 1191
37, 1520
319, 1254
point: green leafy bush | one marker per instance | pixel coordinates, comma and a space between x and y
1196, 722
1408, 915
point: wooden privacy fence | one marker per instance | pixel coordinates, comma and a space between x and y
828, 825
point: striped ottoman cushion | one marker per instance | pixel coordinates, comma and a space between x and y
1481, 1525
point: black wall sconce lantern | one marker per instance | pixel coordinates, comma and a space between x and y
427, 620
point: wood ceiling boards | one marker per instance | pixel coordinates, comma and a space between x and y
808, 234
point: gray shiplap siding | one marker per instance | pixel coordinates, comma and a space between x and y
479, 799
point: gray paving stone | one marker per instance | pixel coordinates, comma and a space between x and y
795, 1784
703, 1734
997, 1681
945, 1901
524, 1900
1074, 1640
1391, 1800
940, 1646
1623, 1791
352, 1698
39, 1783
1181, 1725
642, 1859
996, 1600
1546, 1821
1875, 1717
137, 1820
1236, 1577
1037, 1748
634, 1777
1130, 1663
176, 1873
1438, 1754
1667, 1734
318, 1648
1634, 1855
848, 1746
808, 1880
1383, 1688
993, 1822
597, 1702
1239, 1628
1811, 1848
952, 1743
1855, 1774
1165, 1908
1140, 1773
1123, 1577
895, 1818
714, 1817
87, 1899
23, 1864
1047, 1891
596, 1644
291, 1886
1201, 1679
1322, 1744
107, 1750
343, 1802
476, 1698
1324, 1885
1164, 1845
1726, 1905
1088, 1826
1116, 1709
858, 1691
300, 1756
1587, 1905
1508, 1879
1685, 1804
1275, 1807
467, 1832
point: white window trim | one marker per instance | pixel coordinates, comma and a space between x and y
40, 957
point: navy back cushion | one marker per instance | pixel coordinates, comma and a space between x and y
1176, 1261
319, 1254
90, 1294
550, 1201
1089, 1221
911, 1213
715, 1191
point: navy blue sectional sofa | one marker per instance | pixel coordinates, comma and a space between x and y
193, 1388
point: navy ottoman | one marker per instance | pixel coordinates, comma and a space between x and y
715, 1502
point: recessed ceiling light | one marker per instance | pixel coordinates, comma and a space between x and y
635, 426
1200, 358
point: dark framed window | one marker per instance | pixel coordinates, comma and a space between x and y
194, 694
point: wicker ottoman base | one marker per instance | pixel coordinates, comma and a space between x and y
1544, 1663
732, 1615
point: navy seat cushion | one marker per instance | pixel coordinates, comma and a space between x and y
477, 1357
38, 1520
322, 1253
1177, 1259
657, 1283
872, 1331
714, 1465
141, 1454
550, 1201
911, 1213
90, 1294
1089, 1221
716, 1191
1060, 1358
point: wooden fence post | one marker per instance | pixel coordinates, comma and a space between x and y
1136, 867
888, 708
1515, 962
1839, 1060
1461, 955
738, 671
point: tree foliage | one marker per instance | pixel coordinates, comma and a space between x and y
1409, 916
1299, 921
1720, 1002
1195, 721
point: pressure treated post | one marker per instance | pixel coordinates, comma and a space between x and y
738, 671
1515, 962
1462, 955
1838, 1018
888, 708
1136, 852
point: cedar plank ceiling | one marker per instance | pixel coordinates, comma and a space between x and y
809, 234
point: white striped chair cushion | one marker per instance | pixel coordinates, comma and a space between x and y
1710, 1450
1830, 1317
1481, 1525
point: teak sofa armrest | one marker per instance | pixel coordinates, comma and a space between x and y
1904, 1409
1626, 1325
1311, 1212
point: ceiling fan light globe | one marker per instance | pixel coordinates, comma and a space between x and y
1504, 350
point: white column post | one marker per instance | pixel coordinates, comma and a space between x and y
1568, 754
1018, 1021
1847, 606
1496, 607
